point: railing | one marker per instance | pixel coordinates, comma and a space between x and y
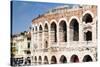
45, 50
64, 46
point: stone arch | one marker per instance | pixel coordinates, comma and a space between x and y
53, 60
54, 31
46, 27
74, 58
63, 31
75, 17
63, 59
89, 13
53, 20
40, 28
87, 58
40, 60
36, 27
74, 30
47, 24
87, 18
63, 19
46, 60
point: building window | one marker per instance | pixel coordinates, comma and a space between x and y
28, 45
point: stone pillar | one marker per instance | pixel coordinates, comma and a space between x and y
58, 35
49, 43
37, 37
81, 33
94, 30
68, 34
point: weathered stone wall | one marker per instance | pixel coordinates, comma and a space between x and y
80, 48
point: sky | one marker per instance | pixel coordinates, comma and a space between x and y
24, 11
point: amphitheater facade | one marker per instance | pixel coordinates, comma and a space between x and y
65, 35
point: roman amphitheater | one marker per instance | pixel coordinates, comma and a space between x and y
65, 35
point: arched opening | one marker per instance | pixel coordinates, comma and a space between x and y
46, 44
35, 60
74, 58
46, 27
54, 32
74, 30
87, 58
87, 18
40, 29
46, 60
62, 31
53, 60
63, 59
35, 28
88, 36
40, 60
46, 34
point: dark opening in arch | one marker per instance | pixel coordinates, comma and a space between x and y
46, 60
74, 58
53, 60
40, 59
40, 29
54, 31
63, 31
88, 36
46, 28
63, 59
87, 18
87, 58
74, 30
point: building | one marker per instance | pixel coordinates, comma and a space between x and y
65, 35
21, 49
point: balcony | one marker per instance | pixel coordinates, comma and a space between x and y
27, 51
71, 46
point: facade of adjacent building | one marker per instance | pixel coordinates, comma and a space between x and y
20, 49
65, 35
